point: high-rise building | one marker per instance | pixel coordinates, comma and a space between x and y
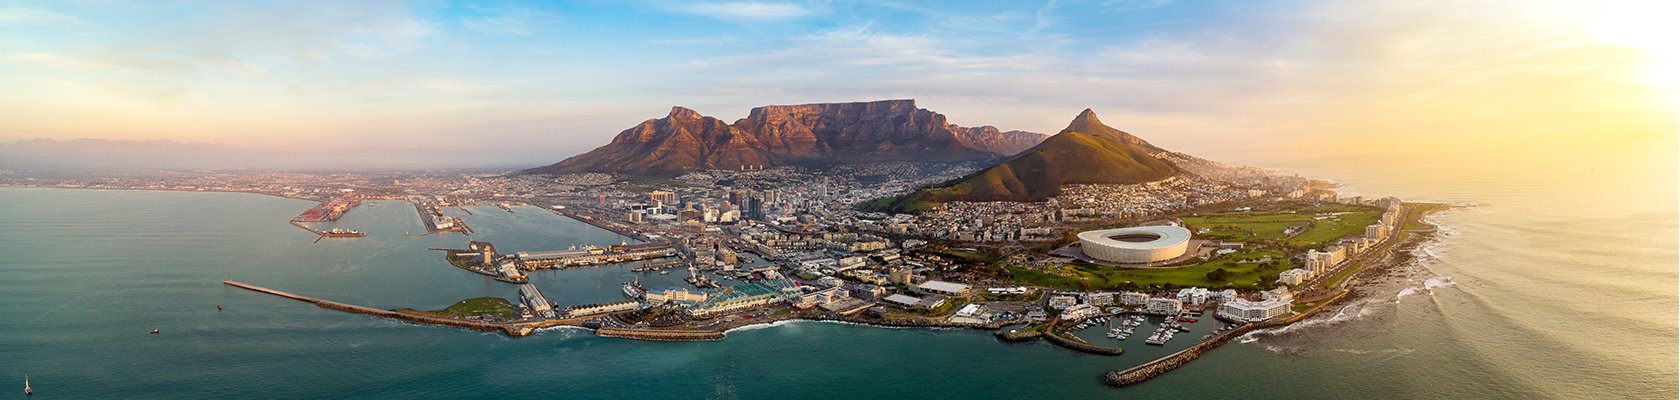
663, 197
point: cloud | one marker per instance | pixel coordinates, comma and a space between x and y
64, 62
744, 10
36, 16
516, 21
381, 39
1132, 5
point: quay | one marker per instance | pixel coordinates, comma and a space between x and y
594, 255
329, 210
482, 258
333, 233
435, 221
615, 228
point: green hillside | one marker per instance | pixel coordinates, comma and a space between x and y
1070, 157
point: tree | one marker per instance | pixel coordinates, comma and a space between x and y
1218, 275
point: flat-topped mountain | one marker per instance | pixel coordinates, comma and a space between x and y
807, 134
1087, 152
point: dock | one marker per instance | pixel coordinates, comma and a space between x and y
435, 221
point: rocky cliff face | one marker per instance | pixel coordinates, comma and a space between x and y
807, 134
988, 138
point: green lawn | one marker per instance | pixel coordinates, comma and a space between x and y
1322, 223
481, 305
1335, 227
1090, 276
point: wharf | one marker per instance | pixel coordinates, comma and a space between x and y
435, 221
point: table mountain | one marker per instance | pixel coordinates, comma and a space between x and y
807, 134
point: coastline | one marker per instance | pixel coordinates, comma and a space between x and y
1395, 252
163, 190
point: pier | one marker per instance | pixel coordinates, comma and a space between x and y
435, 221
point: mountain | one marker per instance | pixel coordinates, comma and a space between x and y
807, 134
1087, 152
1006, 143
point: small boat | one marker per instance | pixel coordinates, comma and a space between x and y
218, 307
27, 391
664, 272
154, 331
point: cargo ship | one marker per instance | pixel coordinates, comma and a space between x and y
341, 232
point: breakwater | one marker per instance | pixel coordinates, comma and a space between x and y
422, 319
660, 334
1146, 371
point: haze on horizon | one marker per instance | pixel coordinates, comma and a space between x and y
512, 85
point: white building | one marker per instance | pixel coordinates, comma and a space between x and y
1102, 298
1133, 298
1294, 277
1250, 311
1063, 302
903, 300
1080, 312
1163, 306
945, 288
1193, 295
679, 295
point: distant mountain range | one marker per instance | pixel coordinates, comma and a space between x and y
1087, 152
803, 135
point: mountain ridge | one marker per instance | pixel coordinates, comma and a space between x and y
803, 134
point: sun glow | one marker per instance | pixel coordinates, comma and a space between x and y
1650, 28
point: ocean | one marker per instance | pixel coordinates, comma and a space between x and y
1533, 289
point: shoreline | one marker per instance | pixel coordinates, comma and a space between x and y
1392, 253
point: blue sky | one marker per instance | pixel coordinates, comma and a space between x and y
530, 82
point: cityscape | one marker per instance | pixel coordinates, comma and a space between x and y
838, 199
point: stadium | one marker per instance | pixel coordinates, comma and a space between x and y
1136, 245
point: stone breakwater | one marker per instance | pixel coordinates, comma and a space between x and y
670, 335
1172, 361
422, 319
1082, 346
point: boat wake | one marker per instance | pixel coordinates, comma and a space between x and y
564, 331
1346, 313
767, 325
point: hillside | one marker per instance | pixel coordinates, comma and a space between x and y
1087, 152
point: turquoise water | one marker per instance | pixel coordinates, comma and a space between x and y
1511, 305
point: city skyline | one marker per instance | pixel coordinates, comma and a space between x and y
560, 79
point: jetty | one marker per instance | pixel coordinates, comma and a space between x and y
510, 329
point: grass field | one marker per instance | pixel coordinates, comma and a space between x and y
1320, 224
480, 305
1090, 276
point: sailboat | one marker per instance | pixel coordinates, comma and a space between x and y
26, 390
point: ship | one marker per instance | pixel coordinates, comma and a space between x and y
26, 390
341, 232
633, 289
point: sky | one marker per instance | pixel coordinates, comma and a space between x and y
512, 84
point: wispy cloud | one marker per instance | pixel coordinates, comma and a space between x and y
510, 21
743, 10
35, 16
65, 62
